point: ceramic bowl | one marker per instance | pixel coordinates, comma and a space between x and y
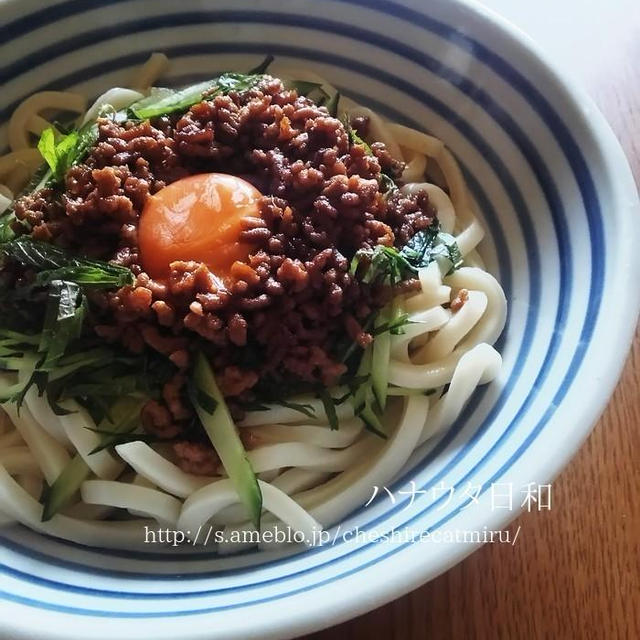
556, 196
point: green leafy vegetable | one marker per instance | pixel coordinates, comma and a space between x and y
153, 106
59, 288
390, 265
432, 244
62, 152
66, 308
395, 325
54, 263
56, 153
123, 420
254, 406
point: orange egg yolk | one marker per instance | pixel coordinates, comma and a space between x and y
197, 218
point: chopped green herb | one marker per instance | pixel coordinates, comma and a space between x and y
254, 406
62, 152
54, 263
329, 405
394, 326
305, 409
115, 438
432, 244
390, 265
201, 397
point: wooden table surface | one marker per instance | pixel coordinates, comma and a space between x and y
575, 570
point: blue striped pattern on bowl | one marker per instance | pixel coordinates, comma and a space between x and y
540, 170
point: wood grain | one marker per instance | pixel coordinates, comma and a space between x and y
575, 571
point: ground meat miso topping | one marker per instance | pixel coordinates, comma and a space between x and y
293, 300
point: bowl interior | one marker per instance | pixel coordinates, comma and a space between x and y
539, 176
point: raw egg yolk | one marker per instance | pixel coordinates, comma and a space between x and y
197, 218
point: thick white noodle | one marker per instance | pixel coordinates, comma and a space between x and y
206, 502
433, 292
289, 511
290, 481
10, 438
45, 417
330, 502
469, 238
420, 323
151, 70
317, 434
160, 471
140, 481
306, 456
51, 456
16, 167
479, 365
416, 163
118, 98
415, 140
490, 326
37, 124
17, 504
58, 100
19, 460
333, 500
125, 495
285, 510
458, 326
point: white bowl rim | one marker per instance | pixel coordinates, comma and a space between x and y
408, 574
